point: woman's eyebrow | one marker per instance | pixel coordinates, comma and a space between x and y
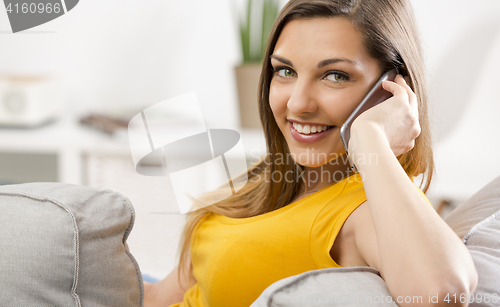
272, 56
330, 61
320, 64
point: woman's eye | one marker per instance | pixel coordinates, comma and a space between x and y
284, 72
337, 77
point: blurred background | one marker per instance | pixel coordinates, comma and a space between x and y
69, 87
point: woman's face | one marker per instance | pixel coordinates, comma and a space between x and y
322, 72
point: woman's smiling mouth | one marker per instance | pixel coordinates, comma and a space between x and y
308, 133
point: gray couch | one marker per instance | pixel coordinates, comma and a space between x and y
65, 245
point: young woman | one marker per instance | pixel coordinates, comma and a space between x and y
302, 208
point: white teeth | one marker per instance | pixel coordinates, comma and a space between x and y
307, 129
297, 127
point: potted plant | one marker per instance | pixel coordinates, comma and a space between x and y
254, 31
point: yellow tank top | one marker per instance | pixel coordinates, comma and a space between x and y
236, 259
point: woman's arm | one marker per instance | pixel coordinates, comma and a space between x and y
167, 291
418, 254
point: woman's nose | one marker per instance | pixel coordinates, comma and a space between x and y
302, 99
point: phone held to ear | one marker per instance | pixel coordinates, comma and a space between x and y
375, 96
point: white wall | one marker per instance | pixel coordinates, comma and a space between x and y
462, 45
124, 53
117, 53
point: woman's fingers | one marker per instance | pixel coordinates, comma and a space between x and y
406, 101
399, 86
397, 116
395, 87
416, 129
404, 82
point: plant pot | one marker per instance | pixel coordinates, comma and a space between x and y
247, 81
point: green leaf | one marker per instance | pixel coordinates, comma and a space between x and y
269, 14
248, 32
245, 42
253, 47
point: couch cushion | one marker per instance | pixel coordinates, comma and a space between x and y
65, 245
477, 222
346, 286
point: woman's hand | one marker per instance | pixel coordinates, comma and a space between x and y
396, 118
400, 234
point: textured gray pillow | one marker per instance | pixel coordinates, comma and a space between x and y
65, 245
346, 286
477, 222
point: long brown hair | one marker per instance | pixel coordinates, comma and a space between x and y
390, 36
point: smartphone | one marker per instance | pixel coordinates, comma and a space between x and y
375, 96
